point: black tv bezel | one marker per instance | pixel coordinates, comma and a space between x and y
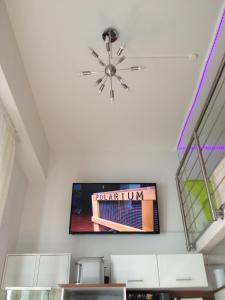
114, 233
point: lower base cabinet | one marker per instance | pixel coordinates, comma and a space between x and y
68, 292
105, 292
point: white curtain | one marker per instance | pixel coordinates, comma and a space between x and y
7, 156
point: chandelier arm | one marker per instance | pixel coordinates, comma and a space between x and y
100, 80
109, 51
85, 73
122, 82
107, 43
106, 79
95, 54
120, 79
111, 95
120, 60
114, 60
101, 62
102, 86
191, 56
111, 87
123, 69
133, 68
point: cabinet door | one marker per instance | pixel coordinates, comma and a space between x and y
19, 270
220, 295
181, 270
53, 270
56, 294
137, 271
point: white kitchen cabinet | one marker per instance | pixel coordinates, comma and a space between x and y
53, 269
20, 270
220, 295
181, 270
137, 271
36, 270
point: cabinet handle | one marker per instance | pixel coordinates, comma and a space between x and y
135, 280
184, 279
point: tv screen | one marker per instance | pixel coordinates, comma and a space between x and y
114, 208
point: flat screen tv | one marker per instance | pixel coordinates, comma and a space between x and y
114, 208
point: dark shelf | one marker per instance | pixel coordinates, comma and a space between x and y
145, 294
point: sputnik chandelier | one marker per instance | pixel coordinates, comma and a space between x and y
110, 71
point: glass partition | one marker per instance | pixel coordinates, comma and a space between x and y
27, 295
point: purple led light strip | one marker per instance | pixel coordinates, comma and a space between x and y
179, 146
205, 148
217, 147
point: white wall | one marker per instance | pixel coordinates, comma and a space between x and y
17, 96
45, 221
212, 69
12, 214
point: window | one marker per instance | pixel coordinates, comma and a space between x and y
7, 155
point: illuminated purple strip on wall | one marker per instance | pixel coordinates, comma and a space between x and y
218, 147
187, 121
206, 148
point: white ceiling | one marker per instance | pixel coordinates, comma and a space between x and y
53, 38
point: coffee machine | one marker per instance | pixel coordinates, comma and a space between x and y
89, 270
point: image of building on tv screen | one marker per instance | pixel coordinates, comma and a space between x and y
127, 208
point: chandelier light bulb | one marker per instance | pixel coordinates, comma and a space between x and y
95, 54
120, 50
123, 83
101, 88
84, 73
121, 59
121, 80
136, 68
126, 87
99, 81
111, 96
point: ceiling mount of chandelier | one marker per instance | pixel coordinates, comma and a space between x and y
111, 67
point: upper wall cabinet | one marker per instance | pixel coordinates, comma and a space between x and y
19, 270
41, 270
53, 269
164, 271
182, 270
137, 271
